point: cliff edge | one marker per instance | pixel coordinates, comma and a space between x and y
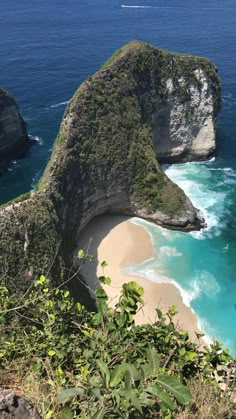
14, 140
142, 106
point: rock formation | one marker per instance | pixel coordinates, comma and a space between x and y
13, 406
14, 140
184, 124
105, 158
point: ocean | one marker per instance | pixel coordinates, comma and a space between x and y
48, 48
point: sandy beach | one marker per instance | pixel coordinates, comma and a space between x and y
122, 243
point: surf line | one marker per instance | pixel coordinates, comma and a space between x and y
59, 104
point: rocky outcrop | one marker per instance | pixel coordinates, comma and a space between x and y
14, 140
105, 158
13, 406
184, 125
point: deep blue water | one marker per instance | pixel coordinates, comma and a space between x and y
48, 48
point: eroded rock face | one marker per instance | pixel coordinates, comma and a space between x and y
14, 140
105, 158
185, 130
13, 406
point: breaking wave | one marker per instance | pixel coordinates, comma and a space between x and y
198, 180
36, 138
56, 105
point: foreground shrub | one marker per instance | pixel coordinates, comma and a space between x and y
95, 365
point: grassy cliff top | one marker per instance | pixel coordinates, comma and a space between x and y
142, 47
4, 92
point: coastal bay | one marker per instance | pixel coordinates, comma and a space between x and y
209, 258
122, 243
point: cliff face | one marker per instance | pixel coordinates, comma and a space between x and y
184, 125
14, 140
105, 158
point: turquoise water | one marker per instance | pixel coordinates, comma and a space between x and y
201, 264
48, 48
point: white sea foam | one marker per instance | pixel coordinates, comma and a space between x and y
179, 8
153, 275
193, 179
169, 251
37, 138
35, 180
203, 283
138, 7
55, 105
141, 222
221, 169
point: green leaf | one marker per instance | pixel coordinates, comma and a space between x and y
108, 280
95, 381
131, 376
102, 307
66, 413
79, 307
182, 351
51, 352
97, 319
179, 391
120, 320
81, 254
102, 279
105, 280
88, 353
159, 313
116, 397
133, 288
157, 391
49, 414
42, 279
66, 294
104, 264
104, 370
69, 393
153, 359
118, 373
191, 356
130, 395
96, 392
147, 371
99, 414
100, 293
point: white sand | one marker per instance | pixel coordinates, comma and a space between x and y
121, 243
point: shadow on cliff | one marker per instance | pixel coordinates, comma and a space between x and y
89, 240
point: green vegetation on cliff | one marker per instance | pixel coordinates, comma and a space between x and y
75, 364
104, 160
3, 91
107, 127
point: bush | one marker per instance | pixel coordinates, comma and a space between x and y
95, 365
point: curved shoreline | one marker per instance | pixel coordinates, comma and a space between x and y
123, 243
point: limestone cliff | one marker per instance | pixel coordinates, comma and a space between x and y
14, 140
184, 123
105, 158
